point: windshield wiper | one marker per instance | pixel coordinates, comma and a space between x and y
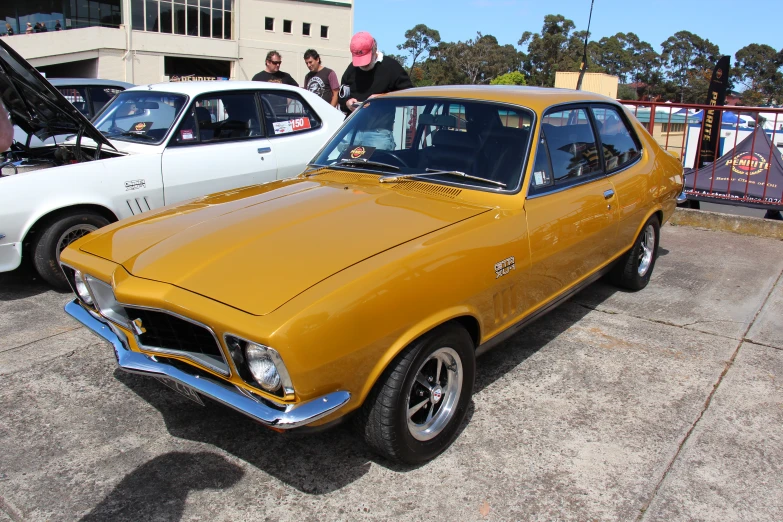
131, 134
363, 163
435, 172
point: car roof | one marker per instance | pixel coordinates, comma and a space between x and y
200, 87
61, 82
536, 98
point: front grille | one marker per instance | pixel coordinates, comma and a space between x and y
170, 334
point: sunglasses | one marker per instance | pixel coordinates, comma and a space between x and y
275, 62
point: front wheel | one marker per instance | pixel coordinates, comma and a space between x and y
55, 236
634, 269
414, 411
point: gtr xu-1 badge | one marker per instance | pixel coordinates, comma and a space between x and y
504, 267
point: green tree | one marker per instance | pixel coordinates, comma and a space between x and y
512, 78
626, 92
549, 51
689, 58
483, 58
418, 42
757, 68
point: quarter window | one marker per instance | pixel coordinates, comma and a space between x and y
77, 97
618, 143
286, 113
572, 146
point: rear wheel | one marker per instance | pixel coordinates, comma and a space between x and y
633, 271
414, 411
55, 236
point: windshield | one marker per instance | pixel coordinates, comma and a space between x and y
406, 136
140, 116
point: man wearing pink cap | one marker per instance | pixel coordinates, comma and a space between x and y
369, 73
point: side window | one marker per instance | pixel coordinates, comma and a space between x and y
100, 96
77, 96
220, 117
287, 113
620, 147
572, 146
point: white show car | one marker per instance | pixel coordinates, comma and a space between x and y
153, 145
89, 95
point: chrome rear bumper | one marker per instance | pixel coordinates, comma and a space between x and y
292, 416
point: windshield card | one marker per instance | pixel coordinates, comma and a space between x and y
187, 134
140, 127
286, 127
360, 152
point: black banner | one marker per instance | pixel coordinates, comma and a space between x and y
710, 124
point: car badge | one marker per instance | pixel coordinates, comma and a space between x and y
137, 327
358, 152
504, 267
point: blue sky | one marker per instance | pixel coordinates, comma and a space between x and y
722, 22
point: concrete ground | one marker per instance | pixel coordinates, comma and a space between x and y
661, 405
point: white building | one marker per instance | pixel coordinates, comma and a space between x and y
148, 41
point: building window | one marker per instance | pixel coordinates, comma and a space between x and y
672, 127
269, 24
287, 26
305, 29
324, 31
204, 18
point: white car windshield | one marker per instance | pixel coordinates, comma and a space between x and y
140, 116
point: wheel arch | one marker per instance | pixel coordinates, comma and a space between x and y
463, 317
52, 215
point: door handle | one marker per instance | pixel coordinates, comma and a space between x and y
265, 150
608, 194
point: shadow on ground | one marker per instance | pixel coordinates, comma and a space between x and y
327, 461
22, 283
158, 489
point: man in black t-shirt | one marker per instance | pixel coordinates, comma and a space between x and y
272, 73
369, 73
320, 80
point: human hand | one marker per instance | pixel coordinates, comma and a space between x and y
352, 104
6, 129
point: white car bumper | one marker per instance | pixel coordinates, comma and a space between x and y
10, 256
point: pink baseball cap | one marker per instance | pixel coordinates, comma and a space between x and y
361, 48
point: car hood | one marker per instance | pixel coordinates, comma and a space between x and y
35, 105
256, 248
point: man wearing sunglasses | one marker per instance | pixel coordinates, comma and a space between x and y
272, 73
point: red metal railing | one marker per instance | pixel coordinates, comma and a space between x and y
689, 145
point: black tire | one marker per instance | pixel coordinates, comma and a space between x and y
634, 269
56, 234
383, 419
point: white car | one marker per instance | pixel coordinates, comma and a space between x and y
89, 95
152, 145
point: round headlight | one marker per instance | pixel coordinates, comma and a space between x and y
81, 287
262, 368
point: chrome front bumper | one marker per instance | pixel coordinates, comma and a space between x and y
682, 198
292, 416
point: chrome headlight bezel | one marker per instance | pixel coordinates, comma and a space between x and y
81, 288
237, 349
105, 302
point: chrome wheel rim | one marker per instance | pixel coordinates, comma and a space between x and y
71, 235
434, 394
647, 245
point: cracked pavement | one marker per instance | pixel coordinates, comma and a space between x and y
660, 405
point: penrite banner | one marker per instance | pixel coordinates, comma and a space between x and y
710, 125
753, 171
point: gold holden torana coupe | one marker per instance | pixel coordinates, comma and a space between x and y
432, 226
